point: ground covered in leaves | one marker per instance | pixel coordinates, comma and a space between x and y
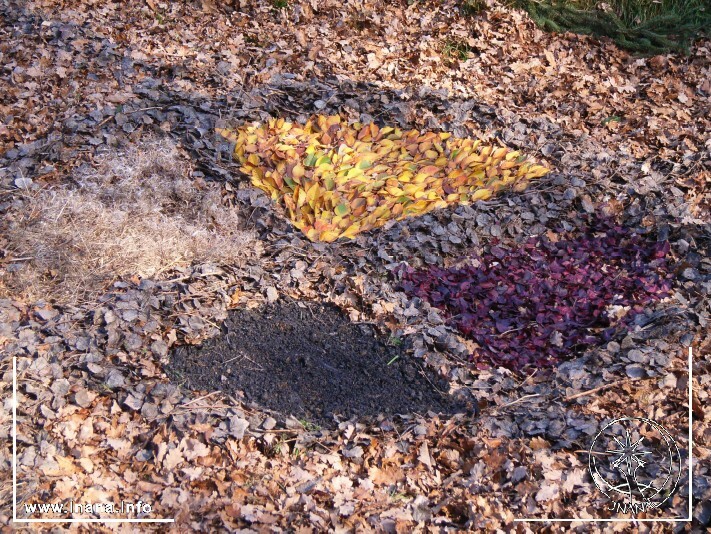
86, 85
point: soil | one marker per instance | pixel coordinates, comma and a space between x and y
307, 359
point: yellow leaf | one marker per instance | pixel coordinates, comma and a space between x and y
328, 236
499, 153
313, 192
536, 171
405, 177
230, 135
298, 171
395, 191
299, 196
352, 230
481, 194
314, 234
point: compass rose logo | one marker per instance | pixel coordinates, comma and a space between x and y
636, 459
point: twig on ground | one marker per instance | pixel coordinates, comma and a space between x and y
521, 399
600, 388
198, 399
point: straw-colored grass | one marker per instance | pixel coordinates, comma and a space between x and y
138, 213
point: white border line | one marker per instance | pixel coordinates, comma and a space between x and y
655, 520
691, 439
14, 475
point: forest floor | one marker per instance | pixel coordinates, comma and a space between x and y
129, 237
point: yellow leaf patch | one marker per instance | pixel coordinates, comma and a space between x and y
337, 179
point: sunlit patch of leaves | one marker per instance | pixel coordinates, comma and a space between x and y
534, 306
337, 180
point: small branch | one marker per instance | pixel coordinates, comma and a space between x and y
596, 453
27, 258
142, 109
198, 399
518, 400
599, 388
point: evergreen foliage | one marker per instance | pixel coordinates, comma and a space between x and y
643, 26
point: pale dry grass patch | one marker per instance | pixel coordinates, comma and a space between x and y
138, 213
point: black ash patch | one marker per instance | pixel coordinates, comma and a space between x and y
309, 360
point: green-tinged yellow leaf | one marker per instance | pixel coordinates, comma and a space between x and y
310, 160
536, 171
342, 210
